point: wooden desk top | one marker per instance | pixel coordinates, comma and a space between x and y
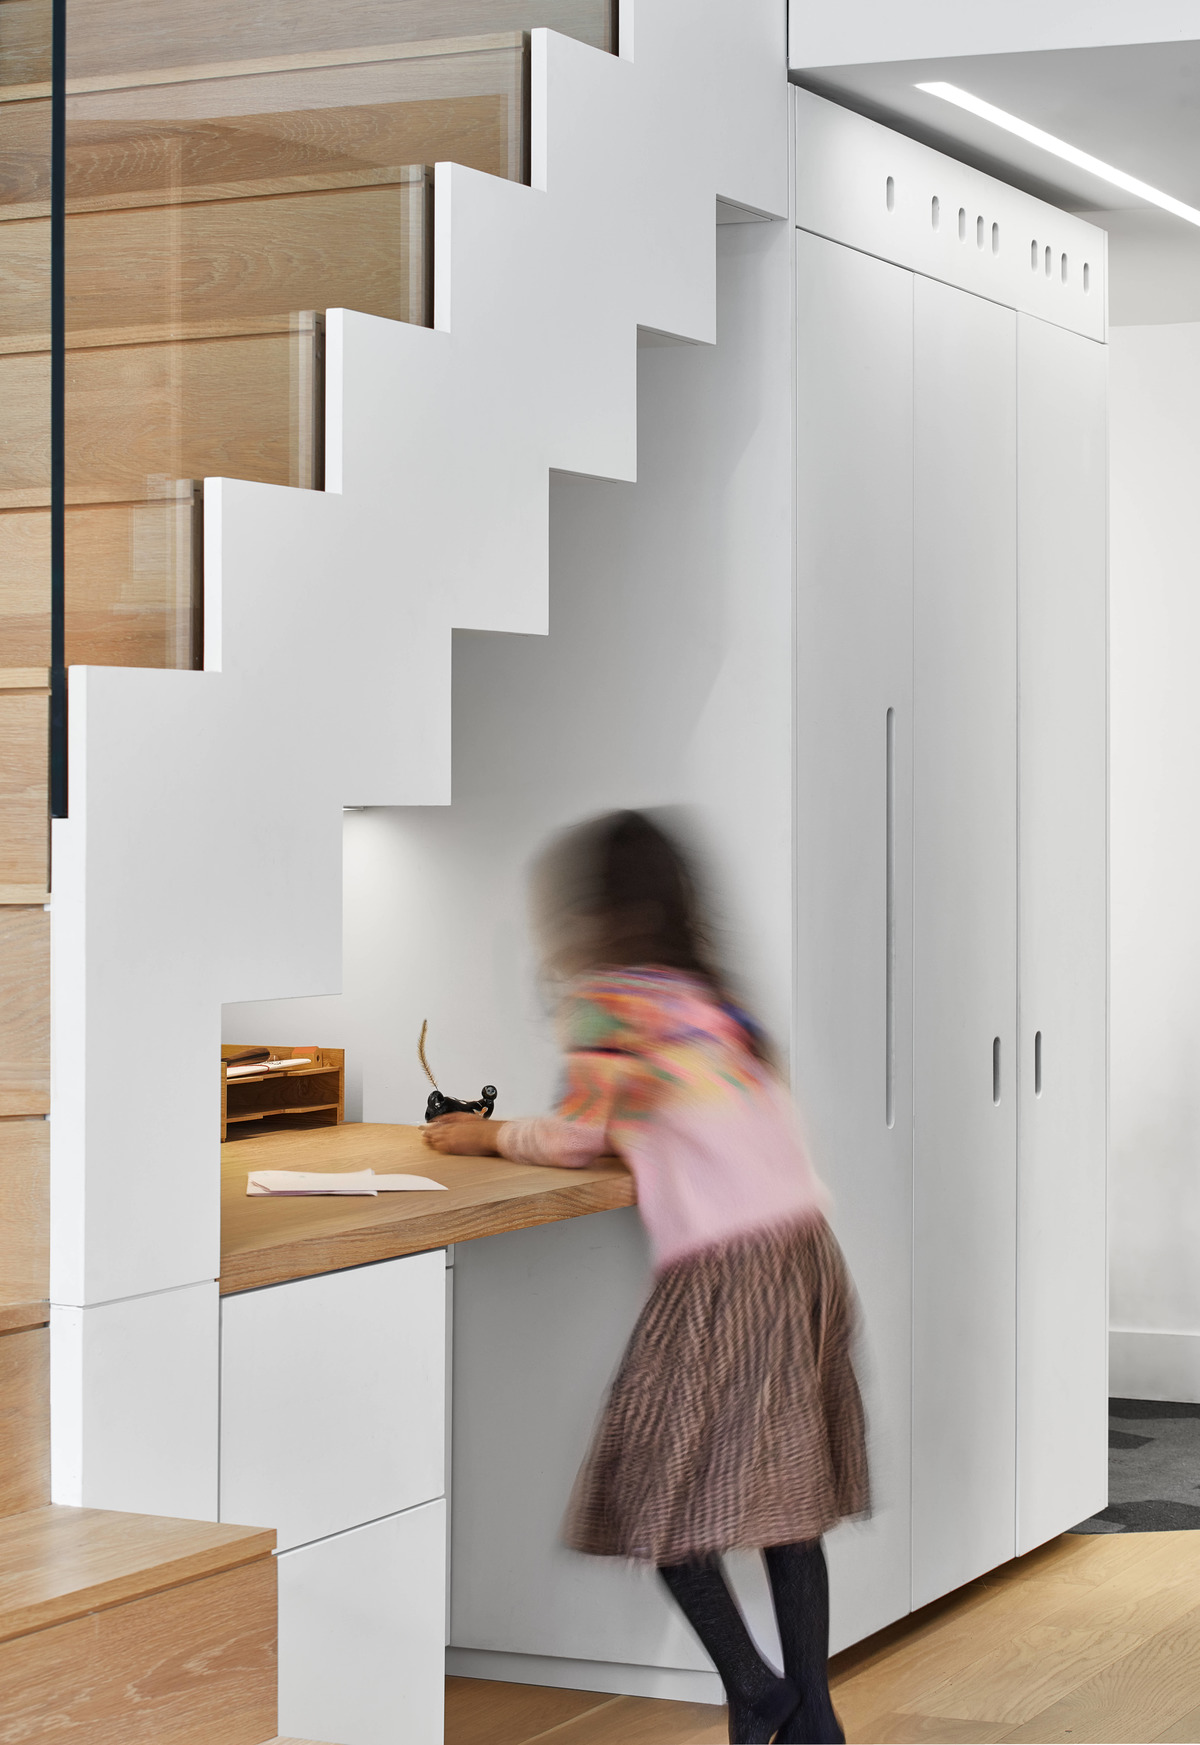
265, 1241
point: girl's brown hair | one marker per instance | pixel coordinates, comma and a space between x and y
620, 891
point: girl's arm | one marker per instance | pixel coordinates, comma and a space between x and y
598, 1060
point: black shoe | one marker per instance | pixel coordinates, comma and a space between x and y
810, 1724
757, 1723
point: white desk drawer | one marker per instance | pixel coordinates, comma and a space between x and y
333, 1398
360, 1633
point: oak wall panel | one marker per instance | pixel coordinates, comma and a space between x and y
132, 584
24, 788
25, 588
117, 35
24, 1011
24, 1210
194, 1665
232, 259
25, 39
24, 1422
116, 162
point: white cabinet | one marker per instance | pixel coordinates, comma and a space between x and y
1062, 1032
361, 1627
951, 892
965, 936
333, 1431
333, 1398
853, 1068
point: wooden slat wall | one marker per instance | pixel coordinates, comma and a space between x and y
24, 41
24, 1421
131, 162
25, 589
24, 1011
24, 822
24, 1209
204, 264
123, 34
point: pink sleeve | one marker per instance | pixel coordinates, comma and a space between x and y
552, 1141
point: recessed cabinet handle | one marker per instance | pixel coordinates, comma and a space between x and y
1037, 1064
996, 1069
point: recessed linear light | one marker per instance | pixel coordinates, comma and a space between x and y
1081, 159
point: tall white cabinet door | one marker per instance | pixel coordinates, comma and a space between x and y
964, 975
1062, 1442
854, 854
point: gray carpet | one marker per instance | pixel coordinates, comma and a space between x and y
1153, 1469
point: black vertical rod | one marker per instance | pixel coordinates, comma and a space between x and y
58, 208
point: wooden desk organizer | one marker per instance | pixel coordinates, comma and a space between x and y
304, 1096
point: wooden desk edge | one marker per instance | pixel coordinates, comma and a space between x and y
309, 1256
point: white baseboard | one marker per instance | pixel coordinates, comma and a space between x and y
1153, 1366
602, 1675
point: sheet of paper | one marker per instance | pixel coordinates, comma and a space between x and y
300, 1181
397, 1184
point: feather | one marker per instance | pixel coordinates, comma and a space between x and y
421, 1055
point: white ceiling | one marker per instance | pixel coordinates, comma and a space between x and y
1136, 106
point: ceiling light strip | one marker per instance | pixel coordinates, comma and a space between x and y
1060, 148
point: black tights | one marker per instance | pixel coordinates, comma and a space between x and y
762, 1706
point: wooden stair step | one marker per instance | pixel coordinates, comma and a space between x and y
59, 1563
136, 1629
19, 1317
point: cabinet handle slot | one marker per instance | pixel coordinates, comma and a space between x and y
1037, 1064
996, 1069
889, 1091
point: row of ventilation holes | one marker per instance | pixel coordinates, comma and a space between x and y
1036, 257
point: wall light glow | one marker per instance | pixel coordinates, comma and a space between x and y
1070, 153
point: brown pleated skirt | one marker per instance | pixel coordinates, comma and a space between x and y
735, 1418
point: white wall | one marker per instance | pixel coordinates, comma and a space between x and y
667, 676
1155, 862
879, 30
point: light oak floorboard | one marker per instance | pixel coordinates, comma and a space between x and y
1090, 1638
484, 1711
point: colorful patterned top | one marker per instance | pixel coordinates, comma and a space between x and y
661, 1074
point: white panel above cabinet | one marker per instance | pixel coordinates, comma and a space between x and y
881, 192
333, 1398
854, 414
1062, 988
965, 920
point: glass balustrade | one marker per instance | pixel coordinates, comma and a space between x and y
232, 170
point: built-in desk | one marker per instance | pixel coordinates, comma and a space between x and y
268, 1241
335, 1315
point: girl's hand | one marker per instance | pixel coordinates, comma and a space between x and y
462, 1135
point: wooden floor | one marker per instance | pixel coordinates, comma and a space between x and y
1092, 1638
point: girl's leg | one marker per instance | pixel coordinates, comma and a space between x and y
800, 1588
758, 1700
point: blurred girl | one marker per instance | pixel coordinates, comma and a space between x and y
735, 1417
